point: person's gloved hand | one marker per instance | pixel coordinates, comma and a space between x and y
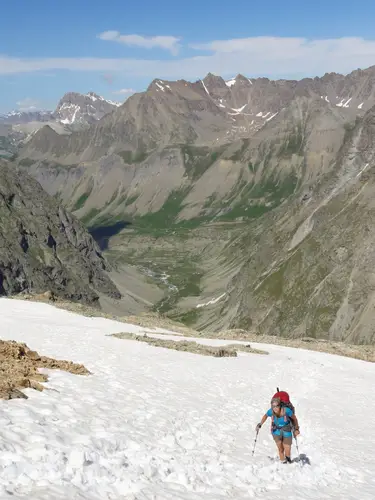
257, 428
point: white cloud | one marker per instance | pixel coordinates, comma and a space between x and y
268, 56
28, 104
170, 43
109, 35
124, 91
254, 45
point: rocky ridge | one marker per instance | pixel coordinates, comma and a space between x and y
43, 247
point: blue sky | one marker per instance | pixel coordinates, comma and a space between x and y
116, 47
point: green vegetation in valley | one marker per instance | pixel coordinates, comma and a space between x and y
188, 318
237, 156
198, 159
165, 220
167, 214
257, 199
87, 218
131, 157
247, 200
291, 288
171, 265
81, 200
185, 278
253, 167
275, 189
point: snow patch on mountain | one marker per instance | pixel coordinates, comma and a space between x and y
160, 86
239, 110
72, 110
270, 117
204, 86
231, 82
212, 301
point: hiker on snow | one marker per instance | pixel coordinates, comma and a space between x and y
281, 429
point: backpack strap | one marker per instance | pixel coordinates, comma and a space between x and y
286, 418
273, 422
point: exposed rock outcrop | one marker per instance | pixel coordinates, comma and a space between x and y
19, 369
43, 247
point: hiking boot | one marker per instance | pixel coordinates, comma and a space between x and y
287, 460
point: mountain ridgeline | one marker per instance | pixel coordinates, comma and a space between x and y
253, 196
74, 112
43, 247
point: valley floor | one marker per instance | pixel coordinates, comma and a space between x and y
138, 293
153, 423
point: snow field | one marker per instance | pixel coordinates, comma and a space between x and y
152, 423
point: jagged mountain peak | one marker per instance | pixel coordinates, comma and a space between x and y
212, 77
45, 131
76, 108
213, 83
238, 80
159, 84
94, 95
243, 78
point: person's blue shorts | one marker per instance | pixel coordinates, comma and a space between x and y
285, 437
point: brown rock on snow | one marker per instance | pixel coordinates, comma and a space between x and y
19, 368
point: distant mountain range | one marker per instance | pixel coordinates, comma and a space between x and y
72, 108
253, 196
73, 112
207, 112
20, 117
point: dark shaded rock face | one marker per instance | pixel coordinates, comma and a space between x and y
43, 247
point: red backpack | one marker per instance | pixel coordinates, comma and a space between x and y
284, 398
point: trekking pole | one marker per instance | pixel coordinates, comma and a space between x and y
299, 457
255, 441
296, 445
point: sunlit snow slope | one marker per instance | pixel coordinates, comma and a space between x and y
158, 424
